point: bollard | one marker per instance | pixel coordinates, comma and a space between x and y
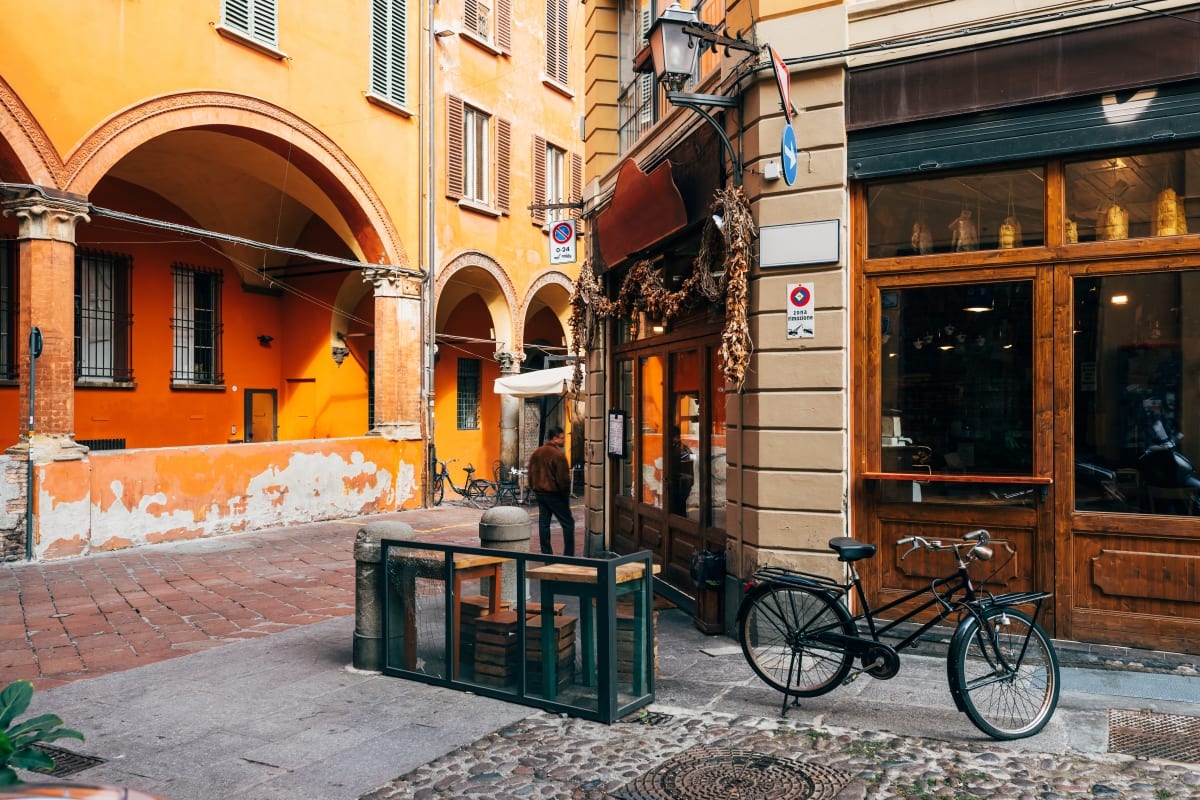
370, 576
506, 528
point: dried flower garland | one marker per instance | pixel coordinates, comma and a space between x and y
720, 269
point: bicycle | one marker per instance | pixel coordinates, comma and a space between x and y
798, 636
479, 492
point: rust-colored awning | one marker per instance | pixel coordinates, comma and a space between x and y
645, 209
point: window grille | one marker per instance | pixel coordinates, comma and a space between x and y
103, 344
389, 50
102, 444
468, 394
8, 309
197, 326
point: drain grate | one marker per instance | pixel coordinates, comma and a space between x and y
65, 762
648, 718
1147, 734
720, 773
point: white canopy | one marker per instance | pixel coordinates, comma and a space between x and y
553, 381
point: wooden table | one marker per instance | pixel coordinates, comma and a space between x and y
584, 582
432, 564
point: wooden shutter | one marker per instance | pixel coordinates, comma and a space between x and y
455, 173
470, 16
503, 30
557, 41
389, 50
576, 178
503, 164
539, 180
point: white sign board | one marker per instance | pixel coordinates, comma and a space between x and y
800, 243
801, 311
562, 242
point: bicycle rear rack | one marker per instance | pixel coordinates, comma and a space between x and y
793, 577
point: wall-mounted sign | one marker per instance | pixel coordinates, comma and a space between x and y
800, 243
616, 434
787, 154
783, 80
801, 311
562, 242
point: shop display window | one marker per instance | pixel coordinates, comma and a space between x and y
1137, 434
1132, 196
960, 213
957, 388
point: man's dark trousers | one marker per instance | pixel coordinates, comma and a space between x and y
560, 507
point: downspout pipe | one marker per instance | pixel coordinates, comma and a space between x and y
429, 118
35, 350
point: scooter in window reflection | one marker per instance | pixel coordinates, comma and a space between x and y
1162, 466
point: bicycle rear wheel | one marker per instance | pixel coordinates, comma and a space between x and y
1006, 672
778, 629
438, 492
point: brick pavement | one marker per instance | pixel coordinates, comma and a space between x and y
84, 617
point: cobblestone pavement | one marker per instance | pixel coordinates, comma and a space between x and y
706, 755
106, 612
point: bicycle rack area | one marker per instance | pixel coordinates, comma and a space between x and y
452, 616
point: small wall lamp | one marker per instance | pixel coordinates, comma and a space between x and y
265, 339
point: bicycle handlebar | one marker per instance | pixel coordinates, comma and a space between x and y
977, 541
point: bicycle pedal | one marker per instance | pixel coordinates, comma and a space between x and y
851, 678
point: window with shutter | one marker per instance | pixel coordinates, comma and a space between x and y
557, 41
455, 148
475, 155
503, 163
539, 180
503, 34
389, 50
254, 19
576, 178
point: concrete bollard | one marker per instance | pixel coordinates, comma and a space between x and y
370, 576
506, 528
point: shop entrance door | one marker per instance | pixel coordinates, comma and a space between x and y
956, 428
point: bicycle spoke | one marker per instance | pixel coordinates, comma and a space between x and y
777, 639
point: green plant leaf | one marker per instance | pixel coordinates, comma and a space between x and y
35, 726
32, 760
8, 777
14, 700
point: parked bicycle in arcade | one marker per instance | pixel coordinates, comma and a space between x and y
798, 635
479, 492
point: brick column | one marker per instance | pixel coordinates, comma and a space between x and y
47, 262
510, 412
399, 353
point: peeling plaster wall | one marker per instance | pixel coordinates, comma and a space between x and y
127, 498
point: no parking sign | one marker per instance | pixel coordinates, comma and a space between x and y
801, 317
562, 242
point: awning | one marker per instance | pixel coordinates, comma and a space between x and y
539, 383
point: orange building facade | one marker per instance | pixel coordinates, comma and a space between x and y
225, 247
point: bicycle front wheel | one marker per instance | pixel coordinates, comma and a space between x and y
779, 630
1006, 672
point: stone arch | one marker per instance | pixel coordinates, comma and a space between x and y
30, 156
502, 304
374, 236
561, 303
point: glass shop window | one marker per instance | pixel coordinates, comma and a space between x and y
962, 213
1137, 431
1132, 196
650, 421
956, 389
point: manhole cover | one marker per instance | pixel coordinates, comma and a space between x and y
1147, 734
65, 762
648, 718
722, 773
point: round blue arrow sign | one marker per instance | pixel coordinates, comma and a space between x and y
787, 154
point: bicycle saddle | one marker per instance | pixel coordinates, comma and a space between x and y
851, 549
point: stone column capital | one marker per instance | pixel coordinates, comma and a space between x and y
510, 363
390, 282
47, 218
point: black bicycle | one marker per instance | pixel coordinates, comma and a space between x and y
479, 492
799, 637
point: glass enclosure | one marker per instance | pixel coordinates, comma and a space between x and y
1137, 435
1131, 196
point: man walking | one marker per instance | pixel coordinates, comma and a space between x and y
550, 479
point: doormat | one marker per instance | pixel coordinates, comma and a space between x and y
719, 773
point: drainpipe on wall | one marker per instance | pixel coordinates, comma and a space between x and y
427, 210
35, 350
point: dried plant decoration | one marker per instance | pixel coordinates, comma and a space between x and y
720, 270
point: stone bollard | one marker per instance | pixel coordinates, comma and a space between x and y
370, 577
506, 528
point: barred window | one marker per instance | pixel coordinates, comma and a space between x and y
8, 309
468, 394
197, 326
103, 344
